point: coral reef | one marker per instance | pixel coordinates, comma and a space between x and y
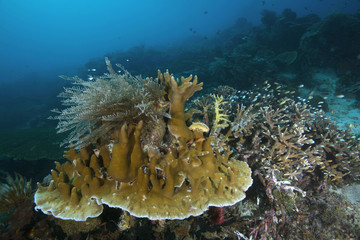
286, 57
296, 154
333, 42
142, 145
268, 18
272, 131
175, 176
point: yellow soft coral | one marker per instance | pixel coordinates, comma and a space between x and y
221, 118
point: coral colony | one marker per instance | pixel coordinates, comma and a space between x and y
159, 159
136, 144
126, 156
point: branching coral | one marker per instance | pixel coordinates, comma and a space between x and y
294, 150
204, 104
280, 133
180, 176
221, 118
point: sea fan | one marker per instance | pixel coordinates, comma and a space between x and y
94, 107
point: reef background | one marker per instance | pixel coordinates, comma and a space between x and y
310, 48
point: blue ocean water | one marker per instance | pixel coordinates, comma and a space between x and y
310, 46
59, 36
41, 40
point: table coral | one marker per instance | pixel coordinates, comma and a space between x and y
179, 177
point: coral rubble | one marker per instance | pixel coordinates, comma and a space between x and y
136, 160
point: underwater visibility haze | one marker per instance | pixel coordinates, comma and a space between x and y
176, 119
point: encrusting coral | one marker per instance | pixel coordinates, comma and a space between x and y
150, 166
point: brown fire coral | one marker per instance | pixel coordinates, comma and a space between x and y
177, 177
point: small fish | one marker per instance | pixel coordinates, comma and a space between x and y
301, 86
340, 96
284, 101
90, 78
278, 87
200, 140
292, 92
310, 97
287, 92
93, 70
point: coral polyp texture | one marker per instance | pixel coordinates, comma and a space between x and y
146, 157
